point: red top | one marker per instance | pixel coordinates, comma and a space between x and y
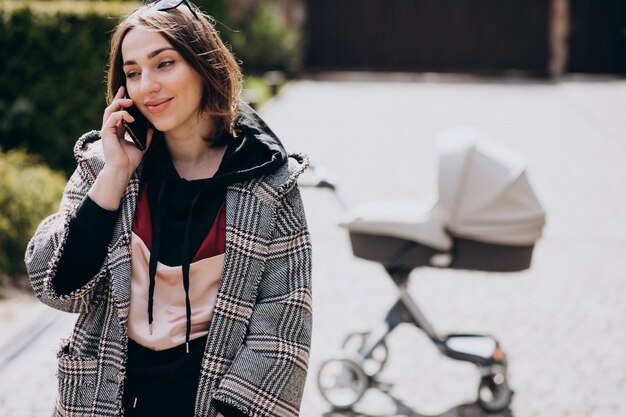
213, 244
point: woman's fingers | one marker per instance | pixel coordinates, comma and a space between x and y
119, 102
114, 105
115, 119
112, 133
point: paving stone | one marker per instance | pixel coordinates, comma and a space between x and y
560, 322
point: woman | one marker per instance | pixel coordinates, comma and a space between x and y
189, 262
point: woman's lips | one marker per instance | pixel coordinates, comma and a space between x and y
158, 106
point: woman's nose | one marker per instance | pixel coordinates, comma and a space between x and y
149, 84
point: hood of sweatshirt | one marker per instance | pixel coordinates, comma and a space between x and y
183, 211
255, 151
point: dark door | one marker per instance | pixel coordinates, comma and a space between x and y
598, 36
428, 35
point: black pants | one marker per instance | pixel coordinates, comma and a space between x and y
162, 383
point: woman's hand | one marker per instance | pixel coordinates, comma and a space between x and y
120, 154
121, 157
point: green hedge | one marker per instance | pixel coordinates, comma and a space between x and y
51, 81
265, 41
29, 191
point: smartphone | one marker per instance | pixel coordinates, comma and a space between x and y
137, 130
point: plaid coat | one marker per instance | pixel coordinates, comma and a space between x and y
258, 344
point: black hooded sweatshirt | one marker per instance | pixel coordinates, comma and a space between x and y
182, 212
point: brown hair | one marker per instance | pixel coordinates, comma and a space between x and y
199, 43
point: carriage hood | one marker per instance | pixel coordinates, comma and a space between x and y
484, 195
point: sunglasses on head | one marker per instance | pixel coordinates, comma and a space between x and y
165, 5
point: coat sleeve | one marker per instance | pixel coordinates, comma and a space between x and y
46, 247
268, 373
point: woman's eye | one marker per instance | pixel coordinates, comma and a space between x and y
165, 63
131, 74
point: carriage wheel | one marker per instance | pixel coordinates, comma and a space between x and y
342, 382
494, 394
375, 363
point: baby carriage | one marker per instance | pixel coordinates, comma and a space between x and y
487, 218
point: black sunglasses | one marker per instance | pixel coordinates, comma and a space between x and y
165, 5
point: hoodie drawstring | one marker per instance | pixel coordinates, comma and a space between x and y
187, 257
154, 252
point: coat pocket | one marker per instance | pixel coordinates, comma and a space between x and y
77, 383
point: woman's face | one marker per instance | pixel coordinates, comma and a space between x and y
161, 83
